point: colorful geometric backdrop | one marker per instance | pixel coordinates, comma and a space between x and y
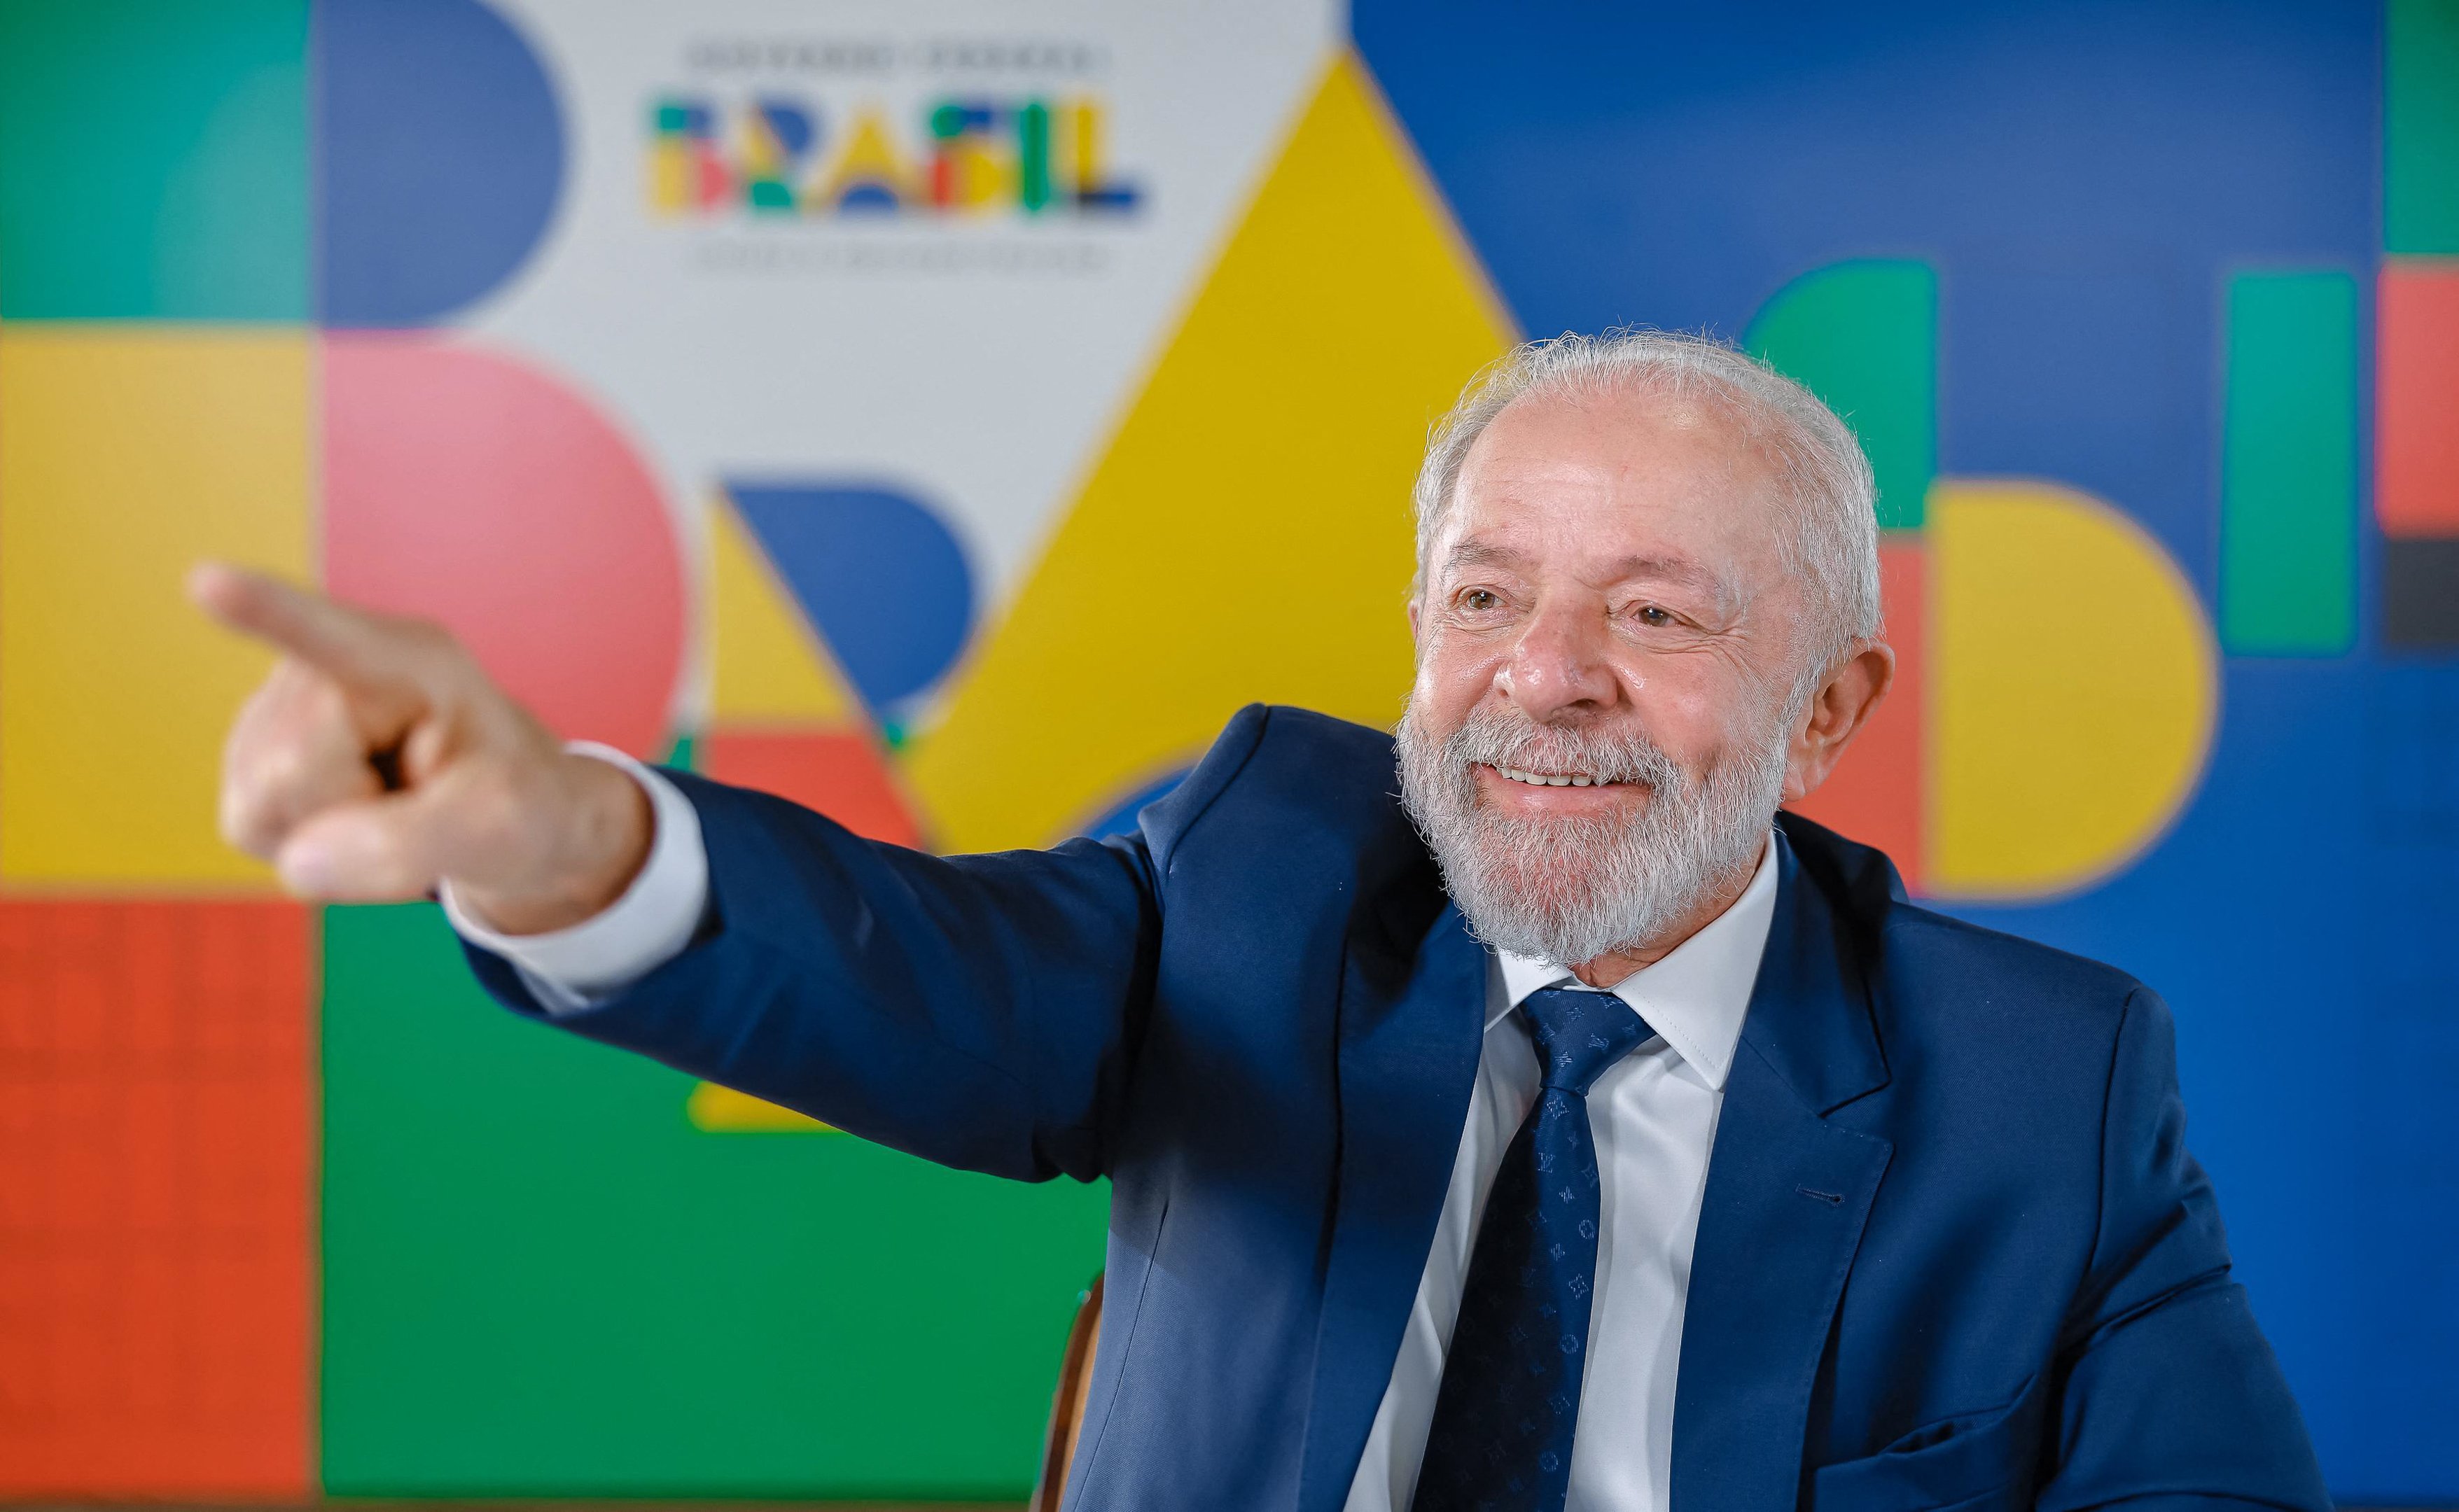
946, 414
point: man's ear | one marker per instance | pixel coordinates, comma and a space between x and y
1853, 689
1416, 627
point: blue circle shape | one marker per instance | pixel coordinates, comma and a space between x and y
439, 154
877, 572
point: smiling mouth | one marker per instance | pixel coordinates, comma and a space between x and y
1538, 779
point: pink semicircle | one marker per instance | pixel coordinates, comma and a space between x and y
470, 489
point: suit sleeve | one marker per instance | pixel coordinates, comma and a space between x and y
980, 1011
2170, 1394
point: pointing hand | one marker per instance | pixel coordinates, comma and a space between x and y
378, 760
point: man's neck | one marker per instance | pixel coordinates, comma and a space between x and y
1605, 972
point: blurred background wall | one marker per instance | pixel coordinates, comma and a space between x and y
946, 413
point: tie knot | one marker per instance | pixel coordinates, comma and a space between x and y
1580, 1033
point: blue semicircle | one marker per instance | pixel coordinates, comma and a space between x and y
877, 572
439, 154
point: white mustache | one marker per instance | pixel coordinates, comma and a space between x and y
1569, 888
1498, 737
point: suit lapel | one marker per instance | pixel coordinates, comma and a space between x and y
1788, 1192
1412, 1023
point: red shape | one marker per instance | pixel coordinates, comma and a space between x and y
155, 1230
2416, 404
1874, 795
712, 181
840, 774
467, 487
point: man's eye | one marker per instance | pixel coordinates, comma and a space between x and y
1651, 615
1481, 600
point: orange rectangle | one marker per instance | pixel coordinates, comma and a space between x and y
2416, 402
1874, 795
155, 1211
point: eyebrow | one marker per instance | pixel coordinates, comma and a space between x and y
1477, 553
1671, 569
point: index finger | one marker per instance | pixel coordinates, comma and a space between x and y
351, 646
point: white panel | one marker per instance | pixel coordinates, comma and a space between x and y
976, 360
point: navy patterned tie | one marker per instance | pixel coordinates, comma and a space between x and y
1501, 1434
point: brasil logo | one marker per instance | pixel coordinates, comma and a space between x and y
974, 156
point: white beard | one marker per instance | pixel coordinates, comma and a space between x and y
1570, 889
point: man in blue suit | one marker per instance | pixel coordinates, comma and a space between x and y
1564, 1129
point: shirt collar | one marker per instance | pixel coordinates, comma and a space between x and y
1697, 995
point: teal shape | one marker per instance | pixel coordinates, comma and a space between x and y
2288, 466
154, 160
1863, 336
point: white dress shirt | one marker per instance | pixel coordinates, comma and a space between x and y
1654, 1114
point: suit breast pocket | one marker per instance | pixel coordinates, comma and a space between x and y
1977, 1463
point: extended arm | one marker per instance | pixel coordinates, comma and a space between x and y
980, 1011
2170, 1395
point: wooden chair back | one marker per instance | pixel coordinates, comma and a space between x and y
1067, 1401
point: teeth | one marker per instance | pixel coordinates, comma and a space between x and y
1545, 779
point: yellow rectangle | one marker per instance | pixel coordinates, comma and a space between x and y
126, 454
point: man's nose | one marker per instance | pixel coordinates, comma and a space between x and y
1561, 662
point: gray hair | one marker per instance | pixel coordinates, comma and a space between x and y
1834, 547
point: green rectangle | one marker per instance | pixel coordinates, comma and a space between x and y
2420, 128
540, 1280
154, 160
2288, 473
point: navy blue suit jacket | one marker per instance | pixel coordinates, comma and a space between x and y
1953, 1253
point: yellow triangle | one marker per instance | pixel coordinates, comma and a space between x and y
1246, 534
767, 665
723, 1110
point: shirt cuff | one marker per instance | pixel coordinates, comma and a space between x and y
572, 969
